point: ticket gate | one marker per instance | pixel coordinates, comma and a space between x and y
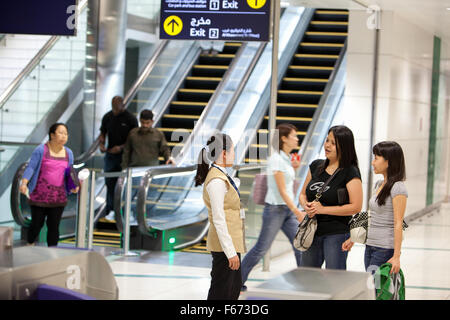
26, 270
315, 284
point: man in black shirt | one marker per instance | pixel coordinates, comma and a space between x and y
116, 125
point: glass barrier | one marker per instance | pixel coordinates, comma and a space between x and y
253, 103
11, 156
43, 87
160, 83
253, 214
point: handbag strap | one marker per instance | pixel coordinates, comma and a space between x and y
322, 188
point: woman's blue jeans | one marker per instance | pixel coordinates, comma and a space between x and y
275, 217
326, 248
374, 257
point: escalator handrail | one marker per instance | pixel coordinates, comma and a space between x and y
198, 126
145, 73
159, 170
242, 85
322, 101
9, 91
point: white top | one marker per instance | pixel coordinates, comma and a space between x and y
217, 189
279, 162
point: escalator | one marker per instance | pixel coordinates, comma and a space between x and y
196, 87
306, 78
170, 211
160, 71
195, 92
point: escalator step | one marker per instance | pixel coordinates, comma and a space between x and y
184, 108
216, 79
209, 91
108, 234
313, 84
296, 92
296, 119
332, 12
310, 68
175, 129
317, 56
190, 103
320, 44
297, 105
181, 116
208, 83
340, 23
207, 66
320, 33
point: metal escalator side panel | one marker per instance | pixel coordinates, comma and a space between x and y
248, 115
16, 208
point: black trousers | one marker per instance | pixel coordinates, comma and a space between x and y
225, 283
112, 164
38, 215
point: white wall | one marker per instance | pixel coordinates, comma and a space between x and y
403, 99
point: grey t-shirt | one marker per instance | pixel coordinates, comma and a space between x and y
381, 223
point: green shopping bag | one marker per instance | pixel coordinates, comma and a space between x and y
391, 286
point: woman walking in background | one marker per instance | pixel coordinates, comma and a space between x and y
280, 211
225, 238
387, 209
332, 217
44, 180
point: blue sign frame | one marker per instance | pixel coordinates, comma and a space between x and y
44, 17
231, 20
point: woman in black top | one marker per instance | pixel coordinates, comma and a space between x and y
332, 217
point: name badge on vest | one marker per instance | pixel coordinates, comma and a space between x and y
242, 213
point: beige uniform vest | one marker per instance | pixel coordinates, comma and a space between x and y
232, 206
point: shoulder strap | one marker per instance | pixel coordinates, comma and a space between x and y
321, 189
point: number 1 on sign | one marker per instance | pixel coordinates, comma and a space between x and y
256, 4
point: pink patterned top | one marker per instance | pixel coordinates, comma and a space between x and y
50, 188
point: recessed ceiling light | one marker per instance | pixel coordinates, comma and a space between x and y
448, 8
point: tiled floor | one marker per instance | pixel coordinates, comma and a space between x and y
425, 263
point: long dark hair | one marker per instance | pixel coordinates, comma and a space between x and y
345, 148
396, 171
284, 129
215, 145
53, 129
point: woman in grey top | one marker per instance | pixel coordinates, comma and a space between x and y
387, 209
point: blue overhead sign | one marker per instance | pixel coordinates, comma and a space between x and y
238, 20
46, 17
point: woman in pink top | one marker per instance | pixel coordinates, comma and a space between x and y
44, 180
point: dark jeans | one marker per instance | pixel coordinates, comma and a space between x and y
112, 164
374, 257
225, 283
326, 248
38, 215
275, 218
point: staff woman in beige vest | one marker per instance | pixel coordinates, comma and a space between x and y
226, 232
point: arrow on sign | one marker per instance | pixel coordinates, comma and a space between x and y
173, 23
